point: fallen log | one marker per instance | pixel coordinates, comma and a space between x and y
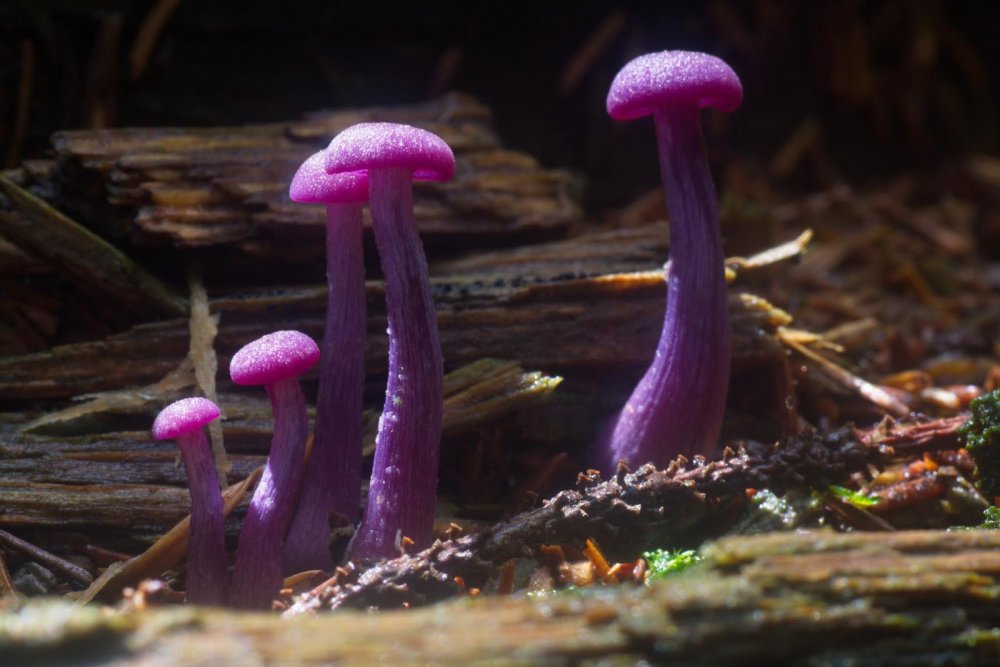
921, 597
226, 188
126, 482
597, 322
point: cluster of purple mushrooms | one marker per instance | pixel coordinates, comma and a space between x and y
675, 409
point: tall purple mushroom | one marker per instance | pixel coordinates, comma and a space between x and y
275, 361
207, 562
403, 486
677, 406
332, 480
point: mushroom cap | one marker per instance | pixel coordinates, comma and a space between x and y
184, 416
276, 356
312, 185
389, 145
673, 78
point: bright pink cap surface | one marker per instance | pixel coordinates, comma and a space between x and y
386, 145
673, 78
312, 185
184, 416
276, 356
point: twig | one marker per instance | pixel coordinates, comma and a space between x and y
81, 256
45, 558
27, 79
444, 72
593, 46
869, 391
150, 30
943, 238
779, 253
165, 553
203, 327
910, 439
100, 107
6, 583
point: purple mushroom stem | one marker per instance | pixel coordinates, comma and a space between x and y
403, 488
677, 406
275, 361
332, 479
402, 492
207, 561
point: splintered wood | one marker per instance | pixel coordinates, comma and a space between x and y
596, 322
125, 483
215, 186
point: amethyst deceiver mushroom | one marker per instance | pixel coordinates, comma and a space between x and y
332, 479
207, 561
275, 361
677, 406
403, 487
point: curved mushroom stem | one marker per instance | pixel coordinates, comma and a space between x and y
664, 418
207, 562
257, 576
403, 487
336, 451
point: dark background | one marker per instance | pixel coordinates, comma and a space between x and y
871, 87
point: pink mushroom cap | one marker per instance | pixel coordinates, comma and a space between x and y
673, 78
276, 356
184, 416
312, 185
390, 145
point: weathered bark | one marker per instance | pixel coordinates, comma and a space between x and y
124, 481
83, 257
606, 321
215, 187
217, 197
921, 597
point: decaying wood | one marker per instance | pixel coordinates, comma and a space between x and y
203, 327
125, 481
85, 259
625, 514
621, 250
605, 321
921, 597
936, 434
228, 186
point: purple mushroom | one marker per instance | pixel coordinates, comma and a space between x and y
332, 480
275, 361
403, 486
207, 562
677, 406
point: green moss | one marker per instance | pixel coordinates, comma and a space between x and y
981, 436
991, 518
664, 562
856, 498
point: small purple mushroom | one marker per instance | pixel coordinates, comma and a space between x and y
207, 563
332, 480
275, 361
677, 406
403, 487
